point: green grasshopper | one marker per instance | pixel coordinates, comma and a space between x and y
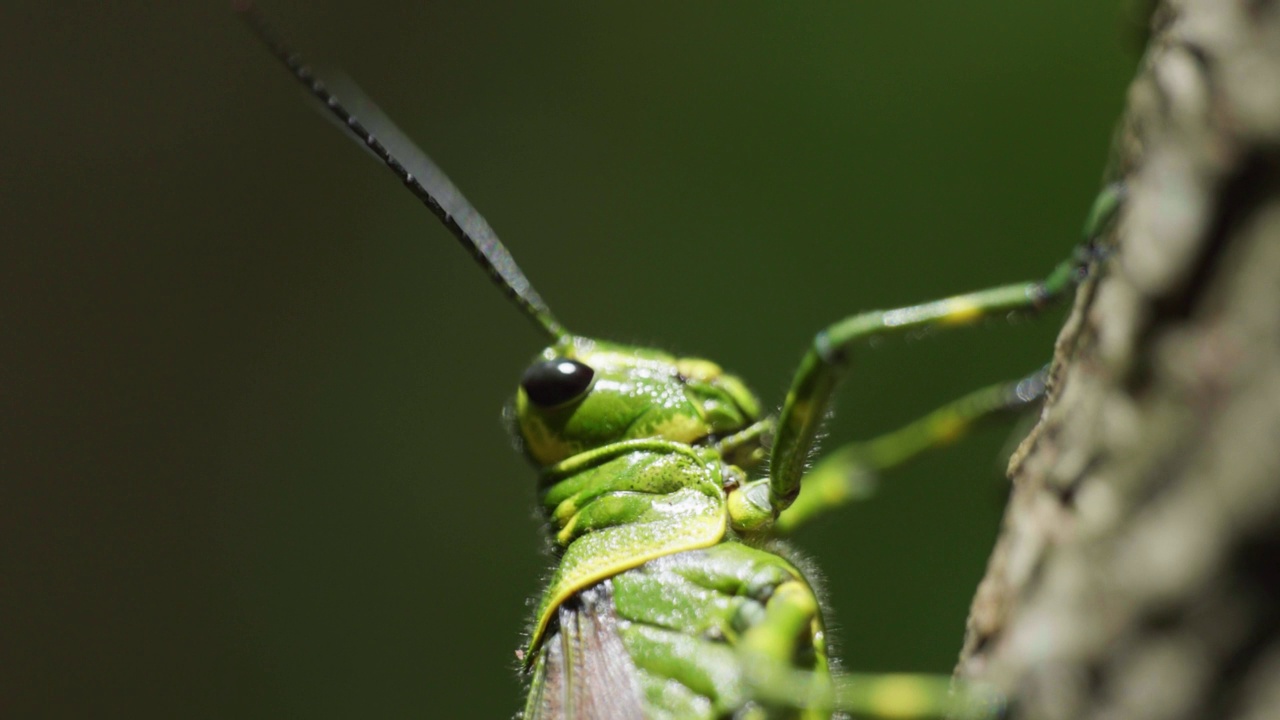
666, 489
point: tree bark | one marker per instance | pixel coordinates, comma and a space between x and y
1137, 574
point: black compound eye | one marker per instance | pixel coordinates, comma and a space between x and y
556, 382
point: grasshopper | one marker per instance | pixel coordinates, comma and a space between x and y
667, 488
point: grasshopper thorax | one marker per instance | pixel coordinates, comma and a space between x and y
581, 394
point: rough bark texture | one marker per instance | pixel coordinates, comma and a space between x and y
1138, 570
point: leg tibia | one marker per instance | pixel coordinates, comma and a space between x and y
851, 472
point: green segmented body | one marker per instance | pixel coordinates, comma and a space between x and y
677, 626
655, 593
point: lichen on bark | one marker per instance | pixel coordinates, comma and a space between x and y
1137, 574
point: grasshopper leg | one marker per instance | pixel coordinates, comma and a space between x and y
766, 650
733, 631
850, 472
823, 365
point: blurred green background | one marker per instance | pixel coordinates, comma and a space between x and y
253, 463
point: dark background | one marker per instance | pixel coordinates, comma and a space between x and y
250, 390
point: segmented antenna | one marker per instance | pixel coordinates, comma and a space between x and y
418, 173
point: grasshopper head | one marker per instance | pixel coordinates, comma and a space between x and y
582, 394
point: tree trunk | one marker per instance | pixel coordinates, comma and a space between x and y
1138, 570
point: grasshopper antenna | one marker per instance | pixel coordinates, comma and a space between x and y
369, 126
